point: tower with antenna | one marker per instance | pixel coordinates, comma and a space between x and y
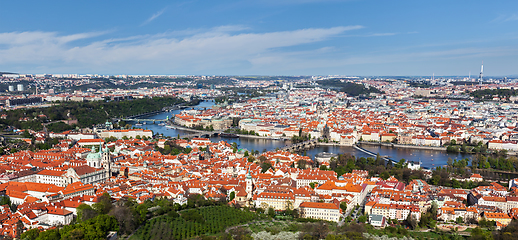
481, 73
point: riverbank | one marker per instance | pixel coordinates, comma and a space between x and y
331, 144
392, 145
404, 146
203, 132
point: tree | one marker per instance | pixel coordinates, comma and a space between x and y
301, 164
289, 205
5, 200
385, 175
13, 207
313, 184
450, 162
262, 158
271, 212
26, 134
480, 234
126, 217
362, 218
455, 183
412, 221
85, 212
49, 235
401, 164
232, 195
265, 166
30, 234
433, 210
343, 206
77, 233
19, 228
318, 230
104, 205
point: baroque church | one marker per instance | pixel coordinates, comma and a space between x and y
96, 170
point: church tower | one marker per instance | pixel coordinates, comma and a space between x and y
249, 184
106, 162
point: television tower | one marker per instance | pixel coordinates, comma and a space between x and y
481, 73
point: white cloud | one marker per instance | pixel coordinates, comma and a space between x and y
220, 48
153, 17
381, 34
513, 17
505, 18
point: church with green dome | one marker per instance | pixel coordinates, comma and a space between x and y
96, 170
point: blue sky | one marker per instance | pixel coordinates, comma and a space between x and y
260, 37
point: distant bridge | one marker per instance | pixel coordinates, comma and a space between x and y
373, 154
144, 120
300, 146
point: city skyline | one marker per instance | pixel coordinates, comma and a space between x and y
356, 38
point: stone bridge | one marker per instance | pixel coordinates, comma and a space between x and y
300, 146
139, 120
202, 134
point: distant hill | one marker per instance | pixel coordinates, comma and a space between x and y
6, 73
350, 88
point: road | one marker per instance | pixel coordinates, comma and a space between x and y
355, 213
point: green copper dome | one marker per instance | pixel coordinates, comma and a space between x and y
93, 155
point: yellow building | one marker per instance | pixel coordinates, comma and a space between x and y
277, 201
501, 218
325, 211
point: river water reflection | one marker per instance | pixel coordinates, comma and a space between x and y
428, 158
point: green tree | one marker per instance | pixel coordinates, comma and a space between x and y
85, 212
271, 212
450, 162
301, 164
51, 234
385, 175
19, 228
31, 234
343, 206
5, 200
401, 164
26, 134
104, 205
412, 221
232, 195
480, 234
